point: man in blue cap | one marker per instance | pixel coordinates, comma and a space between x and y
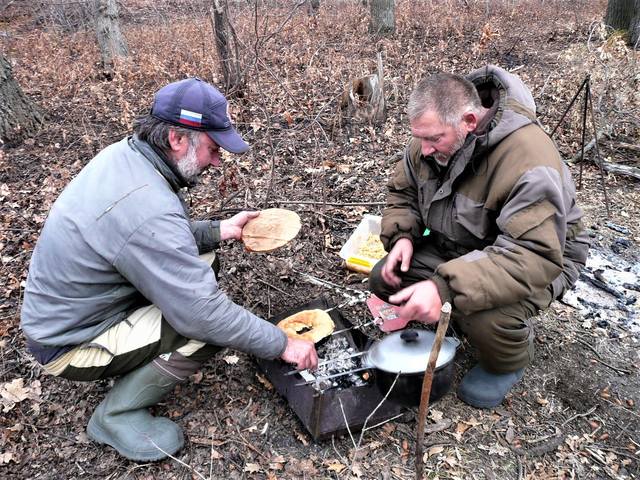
121, 280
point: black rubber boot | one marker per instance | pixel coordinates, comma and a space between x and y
482, 389
123, 421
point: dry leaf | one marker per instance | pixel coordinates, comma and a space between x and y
231, 359
263, 380
15, 391
435, 415
216, 455
542, 401
252, 468
300, 436
197, 377
288, 118
336, 467
498, 449
510, 435
435, 450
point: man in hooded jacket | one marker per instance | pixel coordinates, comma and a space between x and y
121, 280
481, 213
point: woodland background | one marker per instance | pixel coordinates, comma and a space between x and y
574, 415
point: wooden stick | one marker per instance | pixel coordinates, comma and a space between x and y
443, 324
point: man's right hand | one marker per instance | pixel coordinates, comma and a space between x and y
301, 353
401, 253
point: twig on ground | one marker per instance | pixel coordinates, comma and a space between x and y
578, 415
599, 359
177, 460
274, 287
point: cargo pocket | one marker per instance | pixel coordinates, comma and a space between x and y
472, 217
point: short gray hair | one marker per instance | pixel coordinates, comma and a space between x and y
446, 94
156, 133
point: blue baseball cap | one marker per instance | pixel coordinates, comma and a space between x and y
196, 105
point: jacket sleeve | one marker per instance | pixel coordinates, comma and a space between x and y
161, 260
401, 218
207, 235
526, 256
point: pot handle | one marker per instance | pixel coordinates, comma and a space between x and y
409, 336
454, 341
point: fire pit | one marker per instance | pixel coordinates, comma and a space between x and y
318, 403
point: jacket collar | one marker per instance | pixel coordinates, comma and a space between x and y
163, 165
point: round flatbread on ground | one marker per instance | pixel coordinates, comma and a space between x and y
311, 325
272, 229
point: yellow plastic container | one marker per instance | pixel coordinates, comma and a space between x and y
350, 252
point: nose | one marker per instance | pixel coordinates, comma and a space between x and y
427, 148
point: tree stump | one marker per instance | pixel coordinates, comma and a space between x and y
363, 101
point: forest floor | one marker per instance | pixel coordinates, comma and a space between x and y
575, 413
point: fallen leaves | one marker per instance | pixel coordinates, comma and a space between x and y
15, 392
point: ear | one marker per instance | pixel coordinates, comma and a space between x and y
470, 121
177, 141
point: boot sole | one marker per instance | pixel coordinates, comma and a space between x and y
97, 434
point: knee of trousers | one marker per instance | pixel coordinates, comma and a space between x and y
504, 340
179, 366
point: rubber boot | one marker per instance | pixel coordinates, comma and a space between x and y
123, 422
483, 389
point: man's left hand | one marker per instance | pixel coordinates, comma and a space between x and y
232, 227
421, 301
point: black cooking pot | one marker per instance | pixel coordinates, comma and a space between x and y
405, 354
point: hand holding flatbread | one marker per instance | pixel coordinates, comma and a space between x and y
270, 230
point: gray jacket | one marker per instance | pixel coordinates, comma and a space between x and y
119, 237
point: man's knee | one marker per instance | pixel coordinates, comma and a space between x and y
503, 339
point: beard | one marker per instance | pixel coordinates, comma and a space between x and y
188, 165
443, 158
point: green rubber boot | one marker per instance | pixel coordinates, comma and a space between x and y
123, 422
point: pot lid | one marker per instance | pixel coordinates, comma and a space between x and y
407, 351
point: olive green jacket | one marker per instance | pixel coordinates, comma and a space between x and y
500, 222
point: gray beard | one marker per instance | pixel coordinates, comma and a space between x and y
188, 165
443, 158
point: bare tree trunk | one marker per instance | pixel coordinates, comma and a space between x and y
313, 6
634, 27
111, 41
227, 48
19, 117
624, 15
383, 17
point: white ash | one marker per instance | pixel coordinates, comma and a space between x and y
338, 350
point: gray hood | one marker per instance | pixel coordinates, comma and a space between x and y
508, 99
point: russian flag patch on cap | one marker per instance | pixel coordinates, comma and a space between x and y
192, 119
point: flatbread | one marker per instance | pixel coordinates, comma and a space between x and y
311, 325
272, 229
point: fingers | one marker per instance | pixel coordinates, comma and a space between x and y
389, 275
301, 353
406, 261
402, 296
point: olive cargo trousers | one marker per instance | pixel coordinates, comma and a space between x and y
503, 336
